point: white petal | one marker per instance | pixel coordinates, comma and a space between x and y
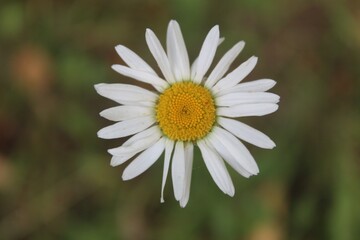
224, 152
246, 133
232, 99
237, 149
261, 85
178, 170
189, 156
177, 53
236, 76
126, 93
245, 110
141, 76
134, 145
126, 128
223, 66
207, 54
216, 168
155, 130
145, 160
194, 67
159, 54
138, 145
221, 40
120, 113
133, 60
169, 146
117, 160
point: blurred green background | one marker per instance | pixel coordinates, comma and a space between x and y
55, 177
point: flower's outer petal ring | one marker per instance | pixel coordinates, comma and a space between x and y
145, 160
120, 113
246, 133
232, 99
141, 76
178, 170
169, 146
217, 168
227, 155
206, 54
126, 93
159, 55
237, 149
177, 53
133, 60
261, 85
246, 110
223, 66
126, 128
189, 156
235, 76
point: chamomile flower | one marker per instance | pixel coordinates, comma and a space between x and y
187, 107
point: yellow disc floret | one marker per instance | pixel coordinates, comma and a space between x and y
185, 111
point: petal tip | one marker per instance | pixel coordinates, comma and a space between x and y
119, 47
115, 67
111, 151
183, 204
97, 86
125, 176
231, 193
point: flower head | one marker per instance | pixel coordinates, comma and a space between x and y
187, 108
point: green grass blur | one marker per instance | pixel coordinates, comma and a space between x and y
55, 177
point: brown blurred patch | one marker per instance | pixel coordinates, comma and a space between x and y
31, 67
302, 33
132, 222
273, 196
6, 173
266, 231
9, 132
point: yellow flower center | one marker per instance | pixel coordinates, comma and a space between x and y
185, 111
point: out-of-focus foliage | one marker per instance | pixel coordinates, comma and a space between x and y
55, 178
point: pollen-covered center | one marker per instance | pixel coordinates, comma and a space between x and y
185, 111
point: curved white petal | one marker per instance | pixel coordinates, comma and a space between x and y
232, 99
120, 113
178, 170
245, 110
145, 160
194, 67
260, 85
237, 149
125, 93
216, 168
138, 145
159, 54
218, 145
141, 76
206, 54
133, 60
117, 160
177, 53
126, 128
223, 66
169, 146
221, 40
189, 156
235, 76
246, 133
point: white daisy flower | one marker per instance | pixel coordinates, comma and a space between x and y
187, 108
